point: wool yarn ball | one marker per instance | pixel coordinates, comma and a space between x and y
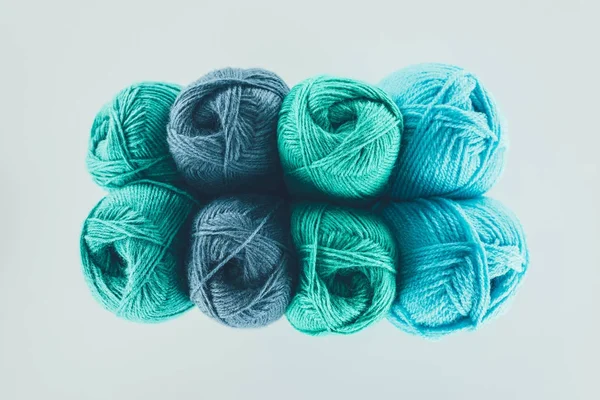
241, 267
131, 248
128, 141
347, 269
223, 131
460, 261
453, 143
338, 138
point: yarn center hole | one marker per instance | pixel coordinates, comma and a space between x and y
206, 119
115, 265
235, 275
342, 116
347, 283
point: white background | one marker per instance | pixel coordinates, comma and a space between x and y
61, 60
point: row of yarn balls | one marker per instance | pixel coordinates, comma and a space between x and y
337, 203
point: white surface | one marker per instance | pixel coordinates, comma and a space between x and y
61, 60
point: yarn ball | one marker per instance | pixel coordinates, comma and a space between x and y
241, 269
453, 143
223, 131
131, 249
128, 141
347, 269
459, 263
338, 138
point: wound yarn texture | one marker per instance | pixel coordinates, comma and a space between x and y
453, 143
128, 140
338, 138
347, 269
131, 250
459, 263
241, 266
223, 131
277, 170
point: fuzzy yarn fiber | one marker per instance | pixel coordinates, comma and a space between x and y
459, 263
223, 131
347, 269
128, 141
338, 138
453, 143
241, 266
131, 249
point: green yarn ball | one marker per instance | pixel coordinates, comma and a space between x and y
131, 250
347, 269
338, 138
128, 141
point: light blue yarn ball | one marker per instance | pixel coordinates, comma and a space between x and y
460, 261
453, 143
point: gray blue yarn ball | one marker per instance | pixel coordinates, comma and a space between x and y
223, 131
241, 266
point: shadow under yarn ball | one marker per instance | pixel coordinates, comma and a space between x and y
453, 143
128, 140
241, 267
338, 138
347, 269
131, 248
460, 261
223, 131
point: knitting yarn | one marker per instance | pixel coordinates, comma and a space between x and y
131, 252
459, 263
338, 138
347, 269
241, 269
453, 143
223, 131
128, 141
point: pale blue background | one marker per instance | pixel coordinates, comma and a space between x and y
60, 60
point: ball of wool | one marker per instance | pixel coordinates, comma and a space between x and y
453, 143
131, 248
241, 269
459, 263
128, 141
338, 137
347, 269
223, 131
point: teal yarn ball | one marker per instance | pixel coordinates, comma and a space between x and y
131, 250
128, 141
347, 269
338, 138
453, 143
460, 262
